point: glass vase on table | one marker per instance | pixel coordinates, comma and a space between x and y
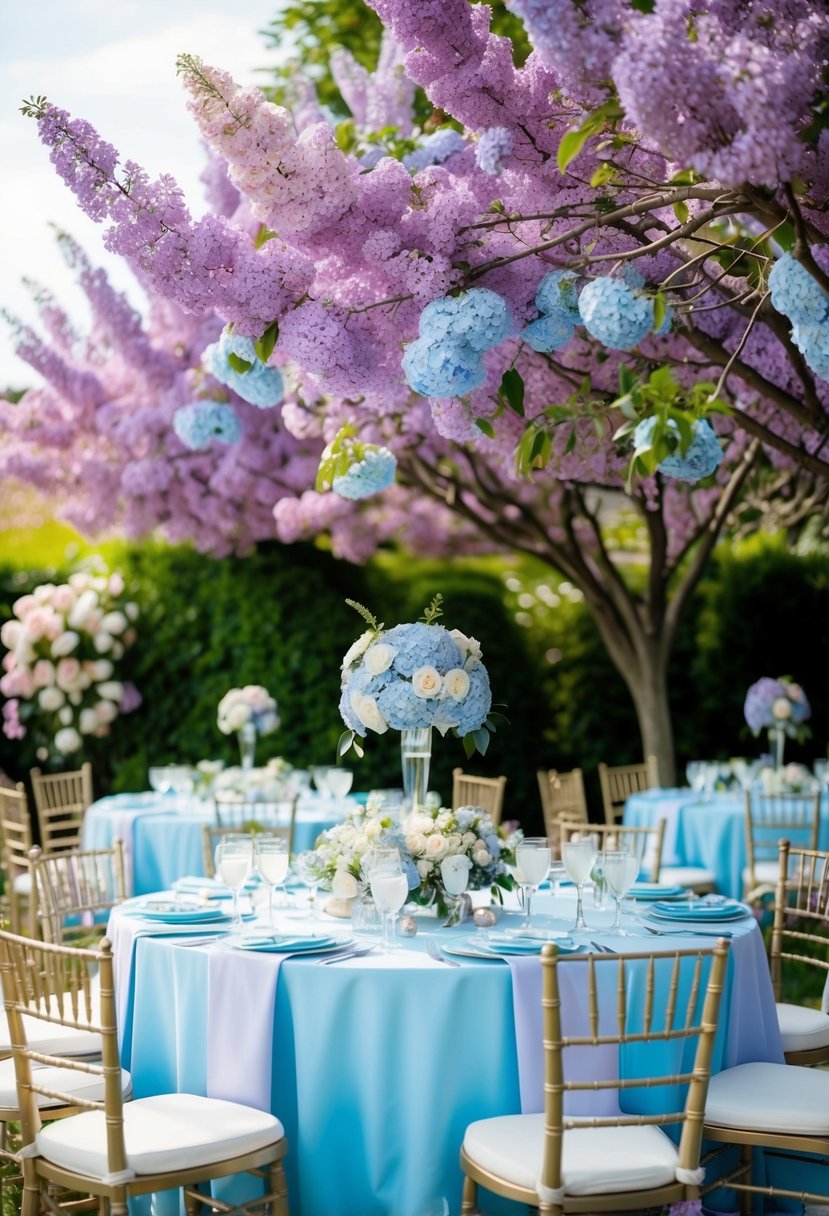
415, 760
247, 745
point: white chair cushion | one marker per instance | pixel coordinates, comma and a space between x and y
802, 1028
764, 871
595, 1160
22, 883
688, 876
770, 1098
163, 1133
51, 1039
80, 1084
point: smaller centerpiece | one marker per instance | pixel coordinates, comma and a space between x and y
780, 707
247, 712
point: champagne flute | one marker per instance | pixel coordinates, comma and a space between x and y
621, 867
234, 859
272, 865
532, 865
389, 889
578, 855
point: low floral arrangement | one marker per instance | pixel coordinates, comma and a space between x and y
426, 840
413, 676
777, 705
251, 704
790, 779
60, 676
273, 782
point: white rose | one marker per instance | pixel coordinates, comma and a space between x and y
75, 697
347, 835
102, 641
65, 716
344, 885
50, 699
419, 823
360, 845
113, 690
131, 611
114, 622
10, 634
67, 740
416, 843
467, 646
106, 712
469, 840
443, 820
426, 682
781, 709
373, 829
379, 657
456, 684
102, 669
435, 847
366, 709
64, 644
88, 722
357, 649
482, 858
87, 602
454, 842
424, 868
236, 716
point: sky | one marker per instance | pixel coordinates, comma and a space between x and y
113, 63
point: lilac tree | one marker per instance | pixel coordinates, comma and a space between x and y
539, 303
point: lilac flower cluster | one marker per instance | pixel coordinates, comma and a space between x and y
799, 296
368, 476
493, 148
776, 705
557, 302
447, 359
615, 314
435, 149
197, 425
701, 458
259, 385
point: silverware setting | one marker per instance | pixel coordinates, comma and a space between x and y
350, 952
602, 949
433, 950
687, 932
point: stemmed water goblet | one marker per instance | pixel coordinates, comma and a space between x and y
338, 782
454, 874
621, 867
579, 854
532, 865
271, 853
389, 889
234, 861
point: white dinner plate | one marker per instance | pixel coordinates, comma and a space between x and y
290, 945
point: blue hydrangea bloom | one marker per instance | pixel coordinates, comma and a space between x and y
421, 645
442, 368
701, 459
812, 340
475, 706
261, 386
796, 294
435, 149
493, 147
614, 314
556, 296
630, 275
667, 322
479, 317
198, 424
403, 709
548, 333
371, 475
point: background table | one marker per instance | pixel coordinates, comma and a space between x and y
376, 1065
162, 833
705, 833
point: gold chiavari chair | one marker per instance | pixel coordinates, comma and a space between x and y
116, 1150
771, 818
618, 782
211, 836
644, 842
75, 888
15, 845
61, 801
623, 1162
800, 945
242, 814
487, 792
561, 794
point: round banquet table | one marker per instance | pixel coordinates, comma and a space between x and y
376, 1065
708, 833
162, 833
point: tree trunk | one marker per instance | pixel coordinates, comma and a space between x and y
649, 690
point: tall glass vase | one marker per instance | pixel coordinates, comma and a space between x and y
415, 757
247, 744
777, 742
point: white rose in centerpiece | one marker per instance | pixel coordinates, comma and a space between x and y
373, 829
112, 690
469, 646
102, 641
357, 649
235, 717
367, 710
416, 843
101, 669
456, 684
86, 603
88, 722
344, 885
436, 847
67, 740
10, 632
65, 715
379, 658
424, 868
426, 682
106, 712
781, 709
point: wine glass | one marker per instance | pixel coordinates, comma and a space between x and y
339, 781
389, 889
271, 853
578, 855
161, 778
320, 774
305, 867
532, 865
621, 867
234, 859
454, 873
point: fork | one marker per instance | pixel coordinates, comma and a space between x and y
433, 950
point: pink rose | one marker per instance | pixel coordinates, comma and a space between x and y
64, 598
23, 606
68, 674
43, 673
37, 622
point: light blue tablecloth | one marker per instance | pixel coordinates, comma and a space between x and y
162, 833
378, 1066
699, 833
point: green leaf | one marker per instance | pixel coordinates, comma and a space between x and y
627, 378
660, 307
469, 746
604, 174
512, 389
681, 212
238, 363
264, 345
497, 206
483, 424
643, 6
262, 237
481, 739
369, 617
571, 442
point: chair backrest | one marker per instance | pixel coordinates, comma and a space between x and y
15, 846
645, 842
211, 836
231, 811
771, 818
70, 987
72, 887
801, 913
61, 800
660, 1012
618, 782
487, 792
561, 794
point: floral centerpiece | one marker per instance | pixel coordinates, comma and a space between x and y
60, 670
247, 712
779, 706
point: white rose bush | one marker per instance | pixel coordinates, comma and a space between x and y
63, 645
